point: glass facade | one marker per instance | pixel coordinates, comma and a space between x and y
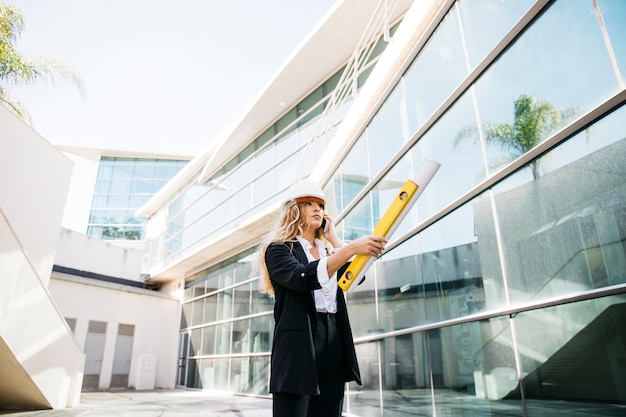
123, 185
501, 293
256, 177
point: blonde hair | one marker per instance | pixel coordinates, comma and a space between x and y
290, 224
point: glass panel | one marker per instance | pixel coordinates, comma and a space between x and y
387, 131
143, 186
387, 189
99, 201
208, 340
241, 305
185, 317
365, 400
261, 333
361, 303
197, 289
195, 341
572, 356
222, 344
260, 369
563, 231
94, 231
352, 175
102, 186
213, 282
263, 187
261, 302
193, 375
113, 216
241, 336
225, 304
105, 170
240, 374
307, 130
198, 312
613, 12
97, 216
118, 201
405, 368
359, 222
436, 72
439, 274
283, 147
168, 171
122, 170
249, 375
243, 269
221, 374
473, 369
145, 170
405, 374
205, 374
515, 117
462, 164
485, 22
137, 201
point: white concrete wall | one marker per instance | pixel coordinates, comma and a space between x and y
85, 253
156, 319
33, 189
155, 315
34, 182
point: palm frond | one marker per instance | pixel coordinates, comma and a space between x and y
15, 106
15, 69
11, 23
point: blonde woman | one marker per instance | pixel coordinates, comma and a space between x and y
313, 353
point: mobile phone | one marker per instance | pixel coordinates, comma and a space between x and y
324, 225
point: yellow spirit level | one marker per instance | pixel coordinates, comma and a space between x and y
400, 206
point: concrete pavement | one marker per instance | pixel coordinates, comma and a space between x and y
159, 403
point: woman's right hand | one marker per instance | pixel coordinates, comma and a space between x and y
368, 245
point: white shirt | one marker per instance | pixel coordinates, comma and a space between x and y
326, 297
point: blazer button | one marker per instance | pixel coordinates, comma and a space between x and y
302, 275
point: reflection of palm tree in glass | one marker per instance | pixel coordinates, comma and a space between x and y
533, 121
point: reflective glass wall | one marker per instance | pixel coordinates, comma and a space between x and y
502, 292
260, 173
123, 185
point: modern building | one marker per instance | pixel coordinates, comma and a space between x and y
501, 293
41, 362
75, 312
125, 181
123, 185
118, 321
504, 289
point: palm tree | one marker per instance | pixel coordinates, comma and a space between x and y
533, 121
16, 69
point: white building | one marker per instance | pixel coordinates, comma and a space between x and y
119, 323
41, 361
75, 312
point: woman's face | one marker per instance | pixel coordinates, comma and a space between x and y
313, 214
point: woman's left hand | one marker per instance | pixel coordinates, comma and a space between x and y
329, 232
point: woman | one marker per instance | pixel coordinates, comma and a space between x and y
313, 352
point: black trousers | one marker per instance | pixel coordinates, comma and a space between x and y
330, 363
330, 368
285, 404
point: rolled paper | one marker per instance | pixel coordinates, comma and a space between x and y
397, 211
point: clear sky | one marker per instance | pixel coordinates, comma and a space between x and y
163, 75
159, 75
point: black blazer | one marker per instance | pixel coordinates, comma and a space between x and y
293, 367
